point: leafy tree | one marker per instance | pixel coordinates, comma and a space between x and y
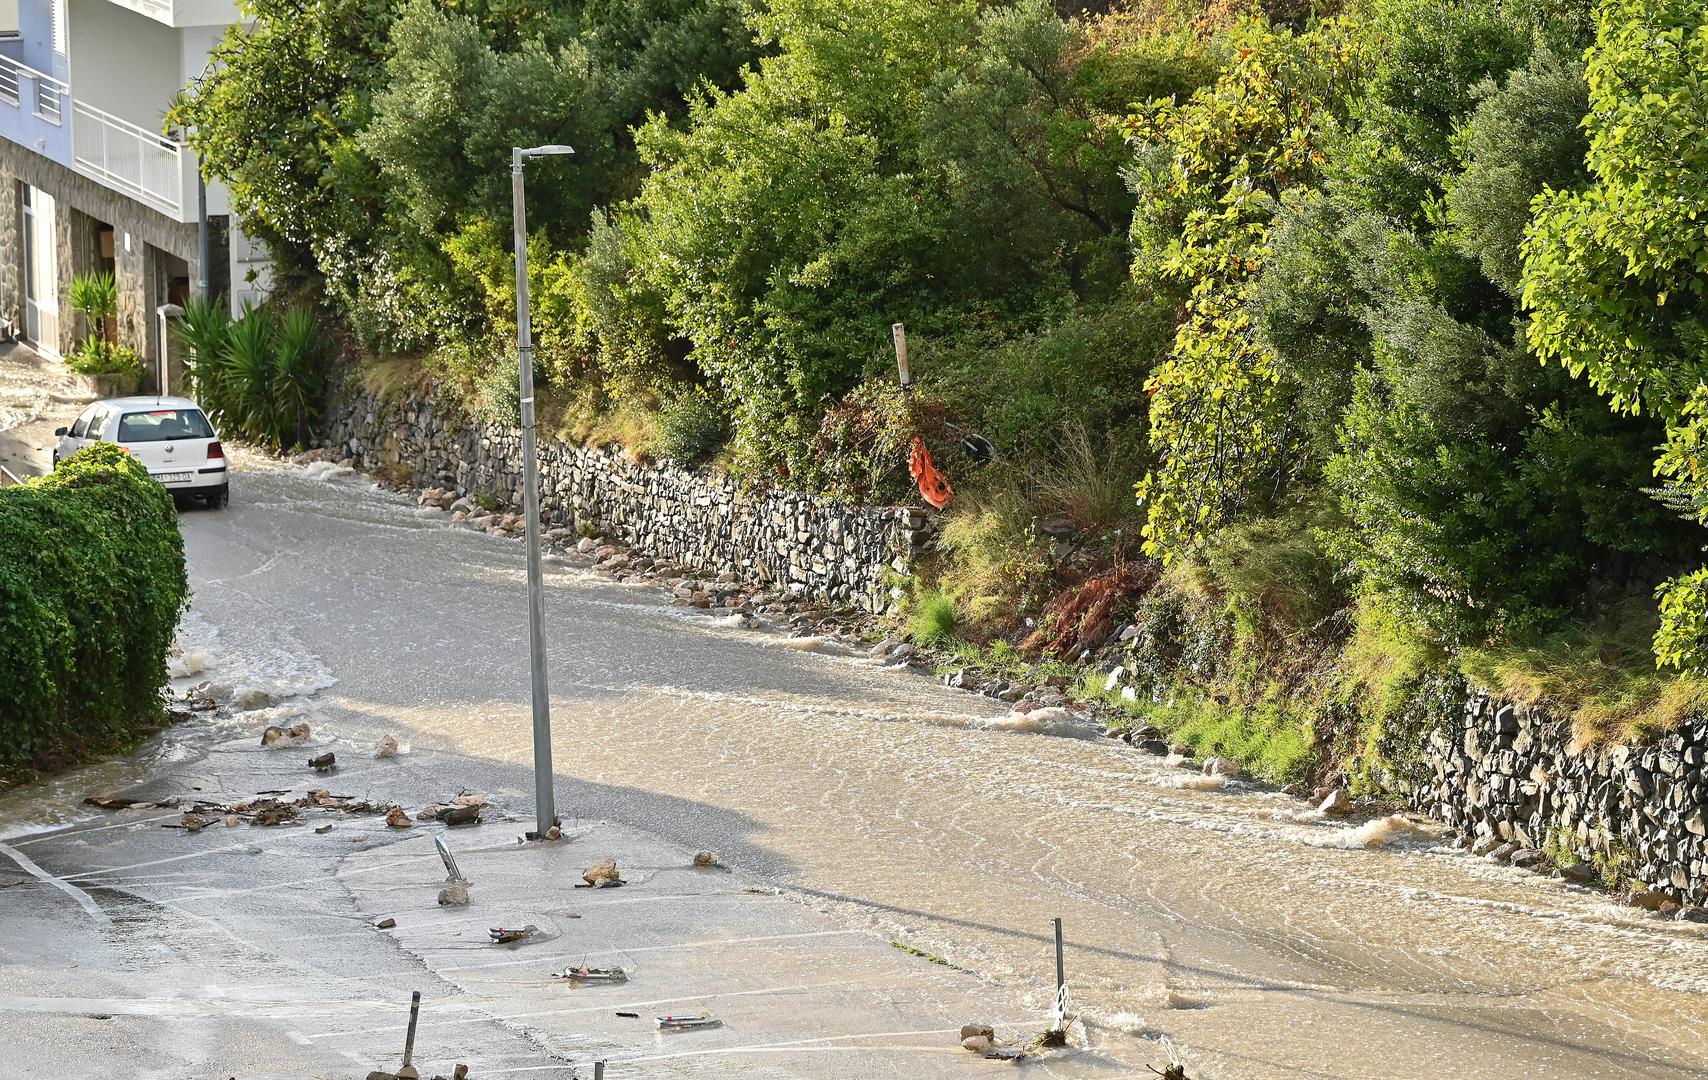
1614, 272
1210, 174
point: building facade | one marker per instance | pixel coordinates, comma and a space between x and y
88, 181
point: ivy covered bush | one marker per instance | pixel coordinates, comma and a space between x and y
91, 589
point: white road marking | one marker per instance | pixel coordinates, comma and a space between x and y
84, 900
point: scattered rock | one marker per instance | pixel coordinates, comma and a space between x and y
461, 815
1504, 852
1576, 870
1526, 857
978, 1044
706, 858
1221, 766
968, 1031
324, 763
1179, 749
1484, 844
386, 923
395, 818
553, 833
386, 747
1650, 900
320, 829
193, 822
295, 735
454, 896
1337, 801
233, 819
601, 875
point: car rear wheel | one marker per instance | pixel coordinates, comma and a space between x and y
220, 497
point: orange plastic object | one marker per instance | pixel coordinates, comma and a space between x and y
933, 486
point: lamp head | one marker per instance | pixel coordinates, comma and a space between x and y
544, 151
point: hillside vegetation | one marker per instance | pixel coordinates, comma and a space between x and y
1337, 346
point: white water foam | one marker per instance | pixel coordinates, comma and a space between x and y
1389, 831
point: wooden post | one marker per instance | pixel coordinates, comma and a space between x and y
900, 333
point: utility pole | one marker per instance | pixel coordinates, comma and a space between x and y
545, 812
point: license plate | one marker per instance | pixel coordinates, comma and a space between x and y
173, 477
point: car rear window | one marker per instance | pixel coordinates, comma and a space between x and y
160, 425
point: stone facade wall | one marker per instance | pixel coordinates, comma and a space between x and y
817, 548
1501, 773
135, 274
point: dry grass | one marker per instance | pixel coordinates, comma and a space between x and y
391, 376
1600, 674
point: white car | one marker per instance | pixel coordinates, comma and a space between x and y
171, 436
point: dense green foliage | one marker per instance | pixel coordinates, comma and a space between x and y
1614, 270
90, 592
261, 375
1283, 270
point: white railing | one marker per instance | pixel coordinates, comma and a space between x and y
46, 94
128, 157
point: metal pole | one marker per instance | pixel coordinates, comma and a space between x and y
204, 247
545, 812
598, 1070
409, 1039
1061, 978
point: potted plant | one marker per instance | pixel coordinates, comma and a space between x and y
108, 369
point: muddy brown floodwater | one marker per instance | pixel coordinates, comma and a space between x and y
1259, 942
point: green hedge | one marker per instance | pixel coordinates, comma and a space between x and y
92, 583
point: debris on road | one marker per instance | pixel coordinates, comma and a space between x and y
454, 896
684, 1023
319, 829
630, 1015
707, 858
586, 974
458, 806
395, 818
231, 819
386, 747
192, 821
295, 735
462, 815
324, 763
114, 802
503, 936
601, 875
386, 923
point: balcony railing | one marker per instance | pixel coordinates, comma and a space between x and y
130, 158
45, 94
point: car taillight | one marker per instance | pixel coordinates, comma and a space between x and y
215, 450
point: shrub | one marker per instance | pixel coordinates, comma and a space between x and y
90, 594
691, 426
261, 375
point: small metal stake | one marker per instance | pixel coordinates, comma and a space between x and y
598, 1070
409, 1072
453, 875
1061, 977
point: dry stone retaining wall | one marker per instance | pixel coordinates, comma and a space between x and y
817, 548
1505, 773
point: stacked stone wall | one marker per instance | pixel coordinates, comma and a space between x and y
815, 547
1505, 774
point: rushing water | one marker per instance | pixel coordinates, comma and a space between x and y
1261, 942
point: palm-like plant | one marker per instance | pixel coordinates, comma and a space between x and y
96, 298
297, 386
203, 331
248, 372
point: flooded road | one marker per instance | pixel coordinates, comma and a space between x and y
1261, 943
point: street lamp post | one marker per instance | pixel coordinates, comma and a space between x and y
544, 811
